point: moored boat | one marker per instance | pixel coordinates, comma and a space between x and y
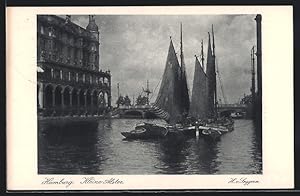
146, 131
237, 115
173, 104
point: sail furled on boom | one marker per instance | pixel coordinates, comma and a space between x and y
198, 108
185, 101
169, 95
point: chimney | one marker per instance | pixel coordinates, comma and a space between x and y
258, 54
258, 103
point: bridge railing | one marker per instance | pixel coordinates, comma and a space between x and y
232, 105
135, 107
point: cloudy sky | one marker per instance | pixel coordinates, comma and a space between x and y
135, 47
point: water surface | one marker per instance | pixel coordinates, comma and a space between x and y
102, 150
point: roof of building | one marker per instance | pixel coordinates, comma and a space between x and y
67, 26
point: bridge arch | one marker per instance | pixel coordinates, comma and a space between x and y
133, 114
149, 115
226, 113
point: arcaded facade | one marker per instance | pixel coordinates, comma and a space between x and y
70, 80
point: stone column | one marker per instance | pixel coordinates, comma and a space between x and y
62, 98
85, 103
85, 99
92, 99
109, 100
78, 103
92, 103
41, 95
71, 102
53, 97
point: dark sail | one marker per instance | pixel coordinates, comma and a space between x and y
199, 99
185, 101
211, 80
169, 95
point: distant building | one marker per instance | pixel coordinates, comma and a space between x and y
70, 81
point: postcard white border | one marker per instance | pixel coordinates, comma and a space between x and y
278, 129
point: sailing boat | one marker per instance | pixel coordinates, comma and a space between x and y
204, 96
172, 101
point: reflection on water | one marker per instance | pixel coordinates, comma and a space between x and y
83, 150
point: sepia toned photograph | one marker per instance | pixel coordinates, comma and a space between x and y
149, 94
149, 98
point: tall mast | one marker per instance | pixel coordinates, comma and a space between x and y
133, 100
118, 87
202, 55
147, 91
181, 46
214, 69
253, 75
213, 40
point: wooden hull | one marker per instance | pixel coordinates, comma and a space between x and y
146, 131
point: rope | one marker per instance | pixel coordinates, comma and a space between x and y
156, 88
221, 84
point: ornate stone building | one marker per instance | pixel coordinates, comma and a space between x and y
70, 81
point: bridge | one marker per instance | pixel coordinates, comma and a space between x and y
225, 109
136, 111
150, 111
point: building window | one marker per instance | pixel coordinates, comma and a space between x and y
61, 74
69, 76
76, 77
52, 73
83, 77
